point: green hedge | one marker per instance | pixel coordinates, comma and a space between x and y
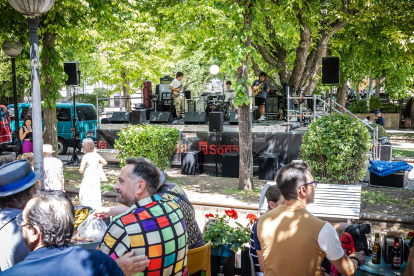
157, 143
336, 148
374, 104
358, 106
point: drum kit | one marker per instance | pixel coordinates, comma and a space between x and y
208, 102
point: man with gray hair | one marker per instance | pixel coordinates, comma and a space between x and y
294, 242
53, 167
152, 226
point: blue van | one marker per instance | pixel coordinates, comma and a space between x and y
86, 123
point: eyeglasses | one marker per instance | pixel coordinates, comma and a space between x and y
314, 183
20, 221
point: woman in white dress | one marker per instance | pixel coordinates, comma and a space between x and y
90, 189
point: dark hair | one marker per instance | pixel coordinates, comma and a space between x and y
53, 212
146, 170
368, 117
18, 200
228, 82
289, 179
262, 74
179, 74
273, 194
26, 119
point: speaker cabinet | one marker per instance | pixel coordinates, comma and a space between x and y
234, 118
190, 162
147, 91
268, 166
71, 69
230, 164
139, 116
385, 152
195, 118
215, 120
272, 105
191, 106
121, 117
330, 70
161, 118
396, 180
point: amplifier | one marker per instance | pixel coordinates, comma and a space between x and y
121, 117
272, 105
396, 180
230, 164
139, 116
191, 106
195, 118
161, 117
269, 164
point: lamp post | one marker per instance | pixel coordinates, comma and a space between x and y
33, 8
214, 70
13, 49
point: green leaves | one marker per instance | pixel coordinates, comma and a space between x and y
336, 148
157, 143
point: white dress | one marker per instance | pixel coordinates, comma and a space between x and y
90, 189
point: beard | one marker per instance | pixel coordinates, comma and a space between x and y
124, 199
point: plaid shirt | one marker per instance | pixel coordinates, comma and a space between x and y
153, 227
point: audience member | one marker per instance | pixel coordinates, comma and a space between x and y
366, 120
274, 199
151, 226
17, 187
26, 134
47, 224
29, 156
293, 241
173, 192
90, 189
380, 119
54, 179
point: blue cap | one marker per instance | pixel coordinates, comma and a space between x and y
377, 112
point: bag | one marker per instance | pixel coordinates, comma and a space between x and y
101, 172
347, 243
358, 232
92, 229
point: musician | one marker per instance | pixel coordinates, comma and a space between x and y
229, 94
176, 86
260, 98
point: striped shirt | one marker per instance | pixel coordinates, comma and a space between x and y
255, 245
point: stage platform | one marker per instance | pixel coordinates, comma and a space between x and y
268, 137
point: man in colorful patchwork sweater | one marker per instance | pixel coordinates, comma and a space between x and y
152, 226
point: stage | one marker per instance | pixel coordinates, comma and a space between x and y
268, 137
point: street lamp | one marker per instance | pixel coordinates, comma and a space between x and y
214, 70
13, 49
33, 8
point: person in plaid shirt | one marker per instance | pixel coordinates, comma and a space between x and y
152, 226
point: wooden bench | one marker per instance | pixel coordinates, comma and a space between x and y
336, 201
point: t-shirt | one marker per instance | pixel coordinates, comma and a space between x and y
294, 242
265, 88
229, 94
176, 84
68, 260
195, 237
153, 227
13, 249
53, 173
255, 245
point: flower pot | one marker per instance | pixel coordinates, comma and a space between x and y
222, 251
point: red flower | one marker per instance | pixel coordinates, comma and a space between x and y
252, 217
209, 216
411, 234
231, 213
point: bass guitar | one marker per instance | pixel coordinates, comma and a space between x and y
177, 93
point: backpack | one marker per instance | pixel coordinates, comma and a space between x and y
347, 243
358, 232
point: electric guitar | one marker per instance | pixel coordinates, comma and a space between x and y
257, 89
177, 93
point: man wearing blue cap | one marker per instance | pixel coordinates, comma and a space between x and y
18, 184
380, 119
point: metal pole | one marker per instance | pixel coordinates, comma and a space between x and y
97, 103
16, 106
36, 100
330, 104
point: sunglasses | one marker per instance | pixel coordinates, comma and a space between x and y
21, 222
314, 183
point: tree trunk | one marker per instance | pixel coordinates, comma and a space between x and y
125, 91
377, 87
50, 135
341, 94
356, 88
412, 111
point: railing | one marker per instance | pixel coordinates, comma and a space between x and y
319, 113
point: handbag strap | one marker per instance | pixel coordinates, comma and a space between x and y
180, 197
8, 222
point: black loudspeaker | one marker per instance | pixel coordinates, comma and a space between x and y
71, 69
272, 105
396, 180
215, 120
190, 162
191, 106
230, 164
161, 117
385, 152
139, 116
195, 118
330, 70
234, 118
121, 117
269, 164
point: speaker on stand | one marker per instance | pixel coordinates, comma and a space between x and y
215, 120
71, 69
330, 74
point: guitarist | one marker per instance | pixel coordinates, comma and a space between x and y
176, 87
260, 87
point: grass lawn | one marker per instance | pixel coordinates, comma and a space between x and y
402, 135
401, 153
73, 178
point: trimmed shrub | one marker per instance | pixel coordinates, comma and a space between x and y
381, 131
157, 143
358, 106
336, 149
374, 104
391, 108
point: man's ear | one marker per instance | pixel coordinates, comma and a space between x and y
35, 234
302, 192
141, 185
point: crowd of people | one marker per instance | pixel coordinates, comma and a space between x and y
153, 229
